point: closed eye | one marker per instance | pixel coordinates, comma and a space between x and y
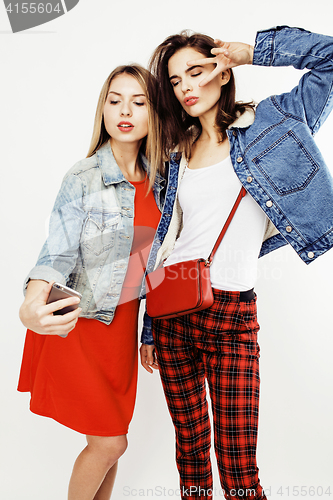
175, 83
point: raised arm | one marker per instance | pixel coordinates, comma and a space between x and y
312, 99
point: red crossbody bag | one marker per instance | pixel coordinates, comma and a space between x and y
185, 287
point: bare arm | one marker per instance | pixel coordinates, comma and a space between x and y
38, 316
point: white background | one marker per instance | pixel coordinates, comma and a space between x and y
50, 80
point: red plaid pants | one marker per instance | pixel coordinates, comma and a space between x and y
218, 344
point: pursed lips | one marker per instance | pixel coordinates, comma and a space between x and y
190, 100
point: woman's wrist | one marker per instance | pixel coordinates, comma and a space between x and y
251, 52
23, 314
27, 310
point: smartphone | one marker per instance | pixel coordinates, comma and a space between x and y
59, 292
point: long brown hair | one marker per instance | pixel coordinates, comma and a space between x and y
179, 128
148, 146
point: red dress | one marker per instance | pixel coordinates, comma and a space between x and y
87, 381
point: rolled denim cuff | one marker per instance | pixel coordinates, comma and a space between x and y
146, 335
147, 338
264, 47
44, 273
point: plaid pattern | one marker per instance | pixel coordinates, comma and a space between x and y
218, 344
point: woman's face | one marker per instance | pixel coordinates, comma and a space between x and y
185, 80
125, 110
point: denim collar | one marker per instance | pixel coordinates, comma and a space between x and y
243, 120
111, 173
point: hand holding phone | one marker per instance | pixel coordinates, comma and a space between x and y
39, 309
59, 292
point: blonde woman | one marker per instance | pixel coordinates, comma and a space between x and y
101, 228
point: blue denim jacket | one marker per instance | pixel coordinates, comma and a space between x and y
91, 232
276, 158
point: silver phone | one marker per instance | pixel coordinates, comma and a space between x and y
59, 292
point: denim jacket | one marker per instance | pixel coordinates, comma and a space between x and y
276, 158
91, 232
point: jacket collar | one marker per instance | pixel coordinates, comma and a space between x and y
243, 120
111, 173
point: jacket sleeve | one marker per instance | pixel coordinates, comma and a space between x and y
146, 335
312, 100
59, 254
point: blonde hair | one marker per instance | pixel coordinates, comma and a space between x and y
149, 144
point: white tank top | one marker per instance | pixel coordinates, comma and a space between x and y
206, 196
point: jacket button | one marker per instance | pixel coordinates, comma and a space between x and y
289, 229
239, 159
310, 255
269, 203
249, 179
234, 133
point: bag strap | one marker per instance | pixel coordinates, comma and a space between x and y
241, 195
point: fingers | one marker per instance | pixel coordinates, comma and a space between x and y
143, 359
220, 51
44, 294
46, 323
151, 356
68, 328
221, 61
60, 304
37, 315
148, 358
223, 47
64, 319
210, 77
237, 53
57, 325
155, 362
200, 62
221, 44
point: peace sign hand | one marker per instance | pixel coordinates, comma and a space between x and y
227, 55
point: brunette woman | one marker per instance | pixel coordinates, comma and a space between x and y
222, 145
101, 228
